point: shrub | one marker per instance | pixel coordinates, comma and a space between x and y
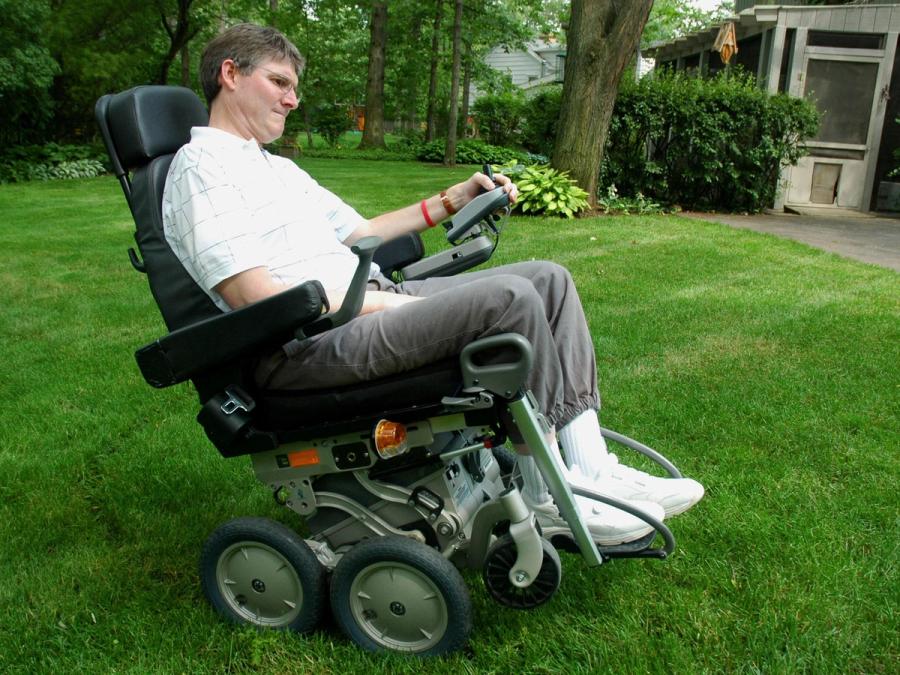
79, 168
499, 116
470, 152
331, 121
612, 202
391, 153
546, 191
540, 119
51, 161
704, 143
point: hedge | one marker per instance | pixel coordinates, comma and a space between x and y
700, 143
704, 143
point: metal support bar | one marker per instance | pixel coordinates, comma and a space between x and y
529, 552
637, 513
643, 449
488, 515
525, 416
374, 522
397, 494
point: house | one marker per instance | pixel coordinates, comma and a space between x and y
541, 62
843, 58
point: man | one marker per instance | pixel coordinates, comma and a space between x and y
247, 225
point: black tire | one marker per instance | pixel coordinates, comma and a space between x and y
499, 560
396, 594
259, 572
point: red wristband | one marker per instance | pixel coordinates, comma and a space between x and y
428, 219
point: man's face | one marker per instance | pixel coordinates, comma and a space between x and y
265, 97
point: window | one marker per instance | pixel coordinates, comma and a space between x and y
843, 93
822, 38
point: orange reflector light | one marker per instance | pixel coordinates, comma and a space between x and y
303, 457
390, 439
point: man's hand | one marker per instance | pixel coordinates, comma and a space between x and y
257, 284
462, 193
373, 301
410, 219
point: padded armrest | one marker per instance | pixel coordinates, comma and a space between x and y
400, 252
191, 350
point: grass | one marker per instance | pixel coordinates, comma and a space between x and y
764, 368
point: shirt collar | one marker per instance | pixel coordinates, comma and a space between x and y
217, 137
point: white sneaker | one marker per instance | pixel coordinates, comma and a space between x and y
608, 526
675, 495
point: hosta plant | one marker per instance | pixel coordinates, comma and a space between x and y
546, 191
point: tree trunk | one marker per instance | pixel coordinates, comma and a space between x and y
308, 123
185, 65
467, 85
450, 149
602, 37
373, 133
411, 81
180, 31
432, 83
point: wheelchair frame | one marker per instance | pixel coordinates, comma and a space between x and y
391, 532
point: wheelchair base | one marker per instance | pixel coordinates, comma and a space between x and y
443, 505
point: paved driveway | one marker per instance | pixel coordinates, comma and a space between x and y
861, 236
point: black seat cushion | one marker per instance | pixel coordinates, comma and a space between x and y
287, 410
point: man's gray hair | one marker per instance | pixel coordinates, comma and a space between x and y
248, 45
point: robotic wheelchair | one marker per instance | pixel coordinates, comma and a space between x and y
401, 482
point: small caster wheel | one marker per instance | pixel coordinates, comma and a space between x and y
257, 571
396, 594
501, 557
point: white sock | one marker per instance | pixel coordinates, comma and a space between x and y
534, 489
583, 444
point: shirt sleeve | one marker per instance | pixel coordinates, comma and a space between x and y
342, 217
210, 225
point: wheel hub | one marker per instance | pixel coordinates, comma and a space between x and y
399, 607
240, 572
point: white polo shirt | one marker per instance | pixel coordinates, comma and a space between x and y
229, 206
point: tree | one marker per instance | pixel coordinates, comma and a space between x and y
432, 82
602, 38
670, 19
406, 72
332, 35
373, 133
450, 151
26, 71
181, 29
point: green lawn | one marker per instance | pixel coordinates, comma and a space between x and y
766, 369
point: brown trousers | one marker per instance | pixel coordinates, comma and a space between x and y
535, 299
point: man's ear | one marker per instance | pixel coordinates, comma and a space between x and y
227, 73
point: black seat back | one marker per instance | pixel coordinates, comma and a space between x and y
143, 128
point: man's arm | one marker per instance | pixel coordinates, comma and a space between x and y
410, 219
257, 284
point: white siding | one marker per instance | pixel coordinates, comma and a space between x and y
522, 67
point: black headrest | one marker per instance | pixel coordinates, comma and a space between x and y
149, 121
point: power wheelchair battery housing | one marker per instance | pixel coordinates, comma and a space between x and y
401, 481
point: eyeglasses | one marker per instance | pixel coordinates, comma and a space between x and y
285, 84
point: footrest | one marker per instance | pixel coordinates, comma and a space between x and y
639, 548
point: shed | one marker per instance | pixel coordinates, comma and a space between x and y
841, 57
